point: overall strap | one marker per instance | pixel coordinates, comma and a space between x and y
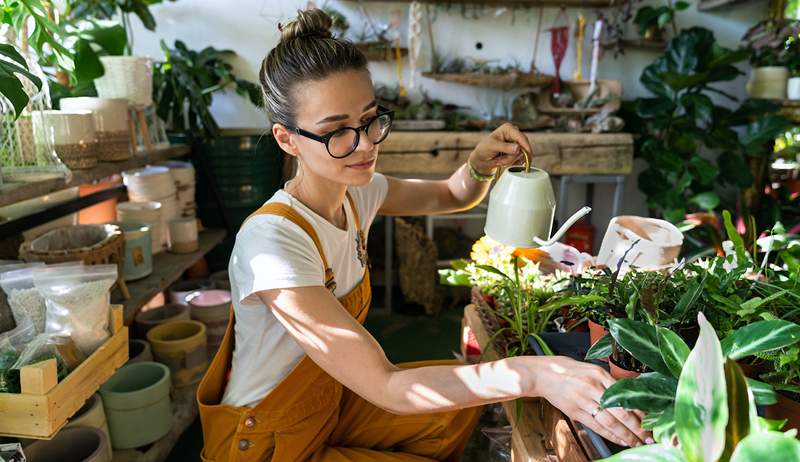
355, 211
286, 211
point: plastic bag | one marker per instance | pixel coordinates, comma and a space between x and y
23, 298
11, 452
7, 321
77, 300
38, 350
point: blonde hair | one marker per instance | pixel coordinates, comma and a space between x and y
307, 51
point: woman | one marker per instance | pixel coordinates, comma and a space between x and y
298, 377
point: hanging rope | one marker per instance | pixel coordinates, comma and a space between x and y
579, 48
414, 41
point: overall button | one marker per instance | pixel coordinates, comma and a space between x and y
250, 422
244, 445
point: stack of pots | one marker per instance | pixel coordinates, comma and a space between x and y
147, 320
184, 175
138, 406
212, 307
154, 184
93, 415
72, 135
149, 213
111, 123
181, 346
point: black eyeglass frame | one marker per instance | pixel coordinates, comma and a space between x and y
324, 139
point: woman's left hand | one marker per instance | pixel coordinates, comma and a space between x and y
500, 149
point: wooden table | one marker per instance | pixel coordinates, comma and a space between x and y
541, 432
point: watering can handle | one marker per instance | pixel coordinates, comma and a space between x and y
563, 229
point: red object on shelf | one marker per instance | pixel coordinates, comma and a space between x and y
581, 236
104, 212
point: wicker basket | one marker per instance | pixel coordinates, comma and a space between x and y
129, 77
91, 244
611, 89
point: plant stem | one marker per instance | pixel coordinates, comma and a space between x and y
672, 20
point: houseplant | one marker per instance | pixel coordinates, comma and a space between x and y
767, 40
651, 21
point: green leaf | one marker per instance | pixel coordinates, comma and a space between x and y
771, 424
689, 298
664, 19
108, 35
649, 453
701, 105
738, 243
681, 5
763, 131
493, 270
674, 350
600, 349
457, 278
701, 404
640, 340
651, 419
87, 64
705, 171
760, 337
652, 392
741, 410
767, 446
708, 200
664, 429
735, 170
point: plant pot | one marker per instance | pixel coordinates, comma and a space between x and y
139, 351
138, 407
93, 415
618, 372
146, 320
182, 289
653, 34
181, 346
596, 332
212, 308
129, 77
77, 444
768, 82
785, 408
138, 250
793, 88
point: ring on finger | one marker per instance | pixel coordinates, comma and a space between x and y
596, 411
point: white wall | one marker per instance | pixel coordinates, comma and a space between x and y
249, 27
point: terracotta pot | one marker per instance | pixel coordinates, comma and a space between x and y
619, 373
785, 408
77, 444
753, 370
596, 332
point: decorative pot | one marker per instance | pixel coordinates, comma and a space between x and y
73, 136
111, 121
76, 444
146, 320
793, 88
658, 246
128, 77
620, 373
768, 82
181, 346
138, 407
138, 250
596, 332
93, 415
139, 351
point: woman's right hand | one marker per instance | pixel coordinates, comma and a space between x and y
576, 388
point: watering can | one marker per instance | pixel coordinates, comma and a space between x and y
521, 209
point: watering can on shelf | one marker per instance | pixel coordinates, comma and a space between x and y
522, 206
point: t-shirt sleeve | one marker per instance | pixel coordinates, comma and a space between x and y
273, 253
370, 198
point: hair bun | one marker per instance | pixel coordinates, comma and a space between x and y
308, 23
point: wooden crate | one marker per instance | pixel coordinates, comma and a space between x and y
45, 404
439, 154
541, 432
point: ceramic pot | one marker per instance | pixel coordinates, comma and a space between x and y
221, 280
619, 373
76, 444
521, 209
182, 289
181, 346
183, 235
146, 320
785, 408
768, 82
658, 246
140, 351
128, 77
93, 415
793, 88
138, 407
138, 250
111, 121
212, 308
72, 134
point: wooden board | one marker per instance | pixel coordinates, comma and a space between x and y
184, 410
11, 193
528, 3
31, 414
541, 432
439, 154
167, 268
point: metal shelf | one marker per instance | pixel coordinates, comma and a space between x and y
14, 192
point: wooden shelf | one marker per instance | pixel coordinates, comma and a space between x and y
529, 3
11, 193
184, 408
710, 5
167, 268
502, 81
641, 44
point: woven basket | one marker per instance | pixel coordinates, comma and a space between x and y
605, 89
129, 77
91, 244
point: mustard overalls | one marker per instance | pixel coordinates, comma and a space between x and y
310, 416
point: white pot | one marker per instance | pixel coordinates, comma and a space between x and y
793, 88
129, 77
110, 115
768, 82
68, 127
657, 243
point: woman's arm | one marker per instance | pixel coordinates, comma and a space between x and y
459, 192
341, 346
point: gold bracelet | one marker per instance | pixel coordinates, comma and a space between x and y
476, 175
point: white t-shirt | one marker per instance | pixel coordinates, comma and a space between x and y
271, 252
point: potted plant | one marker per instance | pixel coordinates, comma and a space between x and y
651, 21
707, 414
767, 40
792, 60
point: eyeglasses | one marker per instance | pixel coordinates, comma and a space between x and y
342, 142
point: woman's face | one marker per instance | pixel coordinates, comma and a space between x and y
344, 99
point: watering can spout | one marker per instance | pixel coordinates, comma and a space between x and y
563, 229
